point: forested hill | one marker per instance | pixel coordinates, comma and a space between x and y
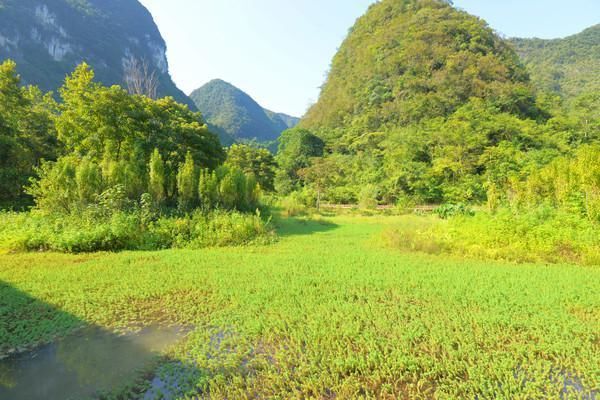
409, 60
237, 116
569, 66
48, 38
424, 102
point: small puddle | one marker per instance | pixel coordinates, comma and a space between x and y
82, 365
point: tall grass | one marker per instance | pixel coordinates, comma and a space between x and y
125, 230
540, 235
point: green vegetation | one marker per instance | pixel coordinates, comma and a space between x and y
128, 131
329, 312
26, 135
296, 149
539, 235
425, 104
49, 39
253, 161
131, 229
409, 60
236, 116
567, 67
135, 183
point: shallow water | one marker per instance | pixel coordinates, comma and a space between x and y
83, 364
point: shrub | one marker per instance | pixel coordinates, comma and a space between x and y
570, 183
293, 205
452, 210
543, 234
134, 229
368, 197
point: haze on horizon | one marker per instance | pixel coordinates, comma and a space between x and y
279, 52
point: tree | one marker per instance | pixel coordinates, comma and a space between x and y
320, 175
27, 134
208, 189
187, 183
586, 111
56, 191
89, 181
252, 192
156, 184
256, 161
140, 78
296, 149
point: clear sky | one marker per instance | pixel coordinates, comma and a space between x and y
278, 51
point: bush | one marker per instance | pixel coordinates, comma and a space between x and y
129, 230
367, 199
540, 235
292, 207
452, 210
216, 229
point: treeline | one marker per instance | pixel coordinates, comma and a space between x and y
103, 169
478, 155
64, 155
425, 104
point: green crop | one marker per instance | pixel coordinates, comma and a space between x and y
326, 312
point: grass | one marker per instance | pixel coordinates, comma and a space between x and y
542, 235
86, 231
328, 311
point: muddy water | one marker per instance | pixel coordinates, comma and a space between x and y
83, 364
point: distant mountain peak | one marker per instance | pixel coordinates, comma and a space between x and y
236, 115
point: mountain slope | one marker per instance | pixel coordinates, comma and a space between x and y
282, 121
236, 115
48, 38
568, 66
409, 60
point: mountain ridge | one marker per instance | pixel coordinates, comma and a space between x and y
566, 66
236, 115
48, 39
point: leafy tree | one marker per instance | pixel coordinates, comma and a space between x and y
139, 143
208, 189
253, 192
296, 149
228, 191
187, 183
156, 184
56, 191
586, 113
89, 181
320, 176
27, 134
252, 160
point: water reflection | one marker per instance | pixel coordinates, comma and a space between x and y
83, 364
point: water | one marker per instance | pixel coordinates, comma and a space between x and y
83, 364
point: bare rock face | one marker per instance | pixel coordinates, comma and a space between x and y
48, 38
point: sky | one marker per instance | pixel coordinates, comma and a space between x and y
279, 51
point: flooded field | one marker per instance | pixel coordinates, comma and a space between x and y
84, 364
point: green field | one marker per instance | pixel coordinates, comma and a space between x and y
327, 312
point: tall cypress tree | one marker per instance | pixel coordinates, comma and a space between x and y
156, 184
187, 183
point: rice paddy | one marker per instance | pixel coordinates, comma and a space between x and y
329, 311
